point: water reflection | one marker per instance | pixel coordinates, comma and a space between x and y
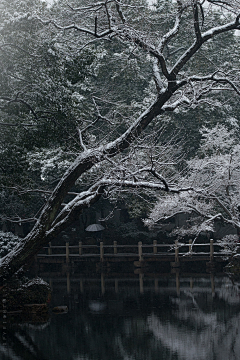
137, 318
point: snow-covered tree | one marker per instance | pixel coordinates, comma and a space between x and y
157, 48
213, 177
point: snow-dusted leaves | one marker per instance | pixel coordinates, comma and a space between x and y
229, 243
7, 242
214, 177
49, 163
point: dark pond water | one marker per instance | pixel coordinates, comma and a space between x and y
138, 317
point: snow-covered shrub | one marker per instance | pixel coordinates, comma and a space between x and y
7, 242
229, 243
49, 163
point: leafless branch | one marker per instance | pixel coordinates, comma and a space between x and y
157, 76
76, 27
99, 117
209, 78
170, 107
81, 140
234, 25
174, 31
20, 220
196, 21
99, 4
120, 13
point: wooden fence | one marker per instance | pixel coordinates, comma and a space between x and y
139, 252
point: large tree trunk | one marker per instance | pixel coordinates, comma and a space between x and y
46, 228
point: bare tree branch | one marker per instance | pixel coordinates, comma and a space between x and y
81, 140
234, 25
196, 21
174, 31
120, 13
76, 27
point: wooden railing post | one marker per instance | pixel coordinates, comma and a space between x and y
177, 283
115, 247
191, 283
211, 249
101, 251
102, 284
67, 252
140, 250
50, 248
155, 246
80, 247
68, 283
212, 285
141, 283
176, 251
190, 245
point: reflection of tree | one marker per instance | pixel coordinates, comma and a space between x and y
213, 341
116, 334
187, 343
229, 292
201, 328
153, 325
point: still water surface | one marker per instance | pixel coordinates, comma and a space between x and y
168, 317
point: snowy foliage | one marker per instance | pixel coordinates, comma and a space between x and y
217, 140
214, 178
7, 242
229, 243
33, 282
50, 163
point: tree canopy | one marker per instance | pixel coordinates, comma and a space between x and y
87, 89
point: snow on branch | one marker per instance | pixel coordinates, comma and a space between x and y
215, 78
97, 5
196, 21
81, 139
69, 211
174, 31
120, 13
232, 5
144, 185
141, 40
129, 6
75, 27
171, 107
215, 194
157, 76
21, 191
101, 4
85, 198
234, 25
19, 220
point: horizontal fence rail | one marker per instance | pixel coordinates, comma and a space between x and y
140, 251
